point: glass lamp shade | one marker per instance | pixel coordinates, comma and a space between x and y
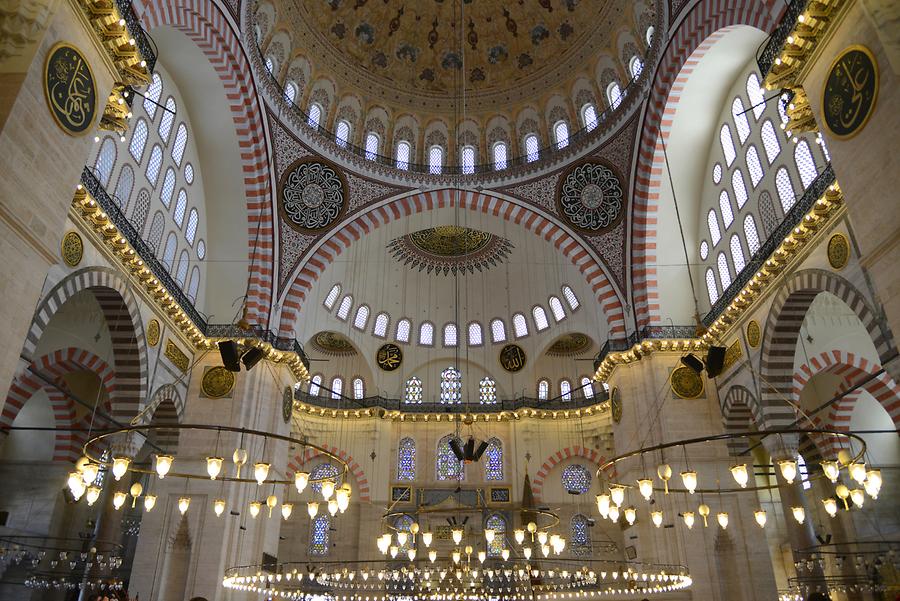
312, 508
630, 515
327, 489
788, 469
332, 507
260, 472
343, 499
760, 516
163, 465
545, 550
657, 517
688, 519
830, 506
858, 497
456, 555
504, 554
489, 535
76, 485
432, 556
120, 467
873, 487
394, 550
527, 552
255, 507
89, 473
214, 466
603, 505
93, 493
457, 535
689, 479
427, 537
645, 486
119, 499
722, 518
617, 494
402, 537
301, 479
542, 537
832, 470
799, 514
183, 504
219, 507
519, 535
857, 471
411, 554
740, 474
614, 514
383, 544
149, 502
482, 556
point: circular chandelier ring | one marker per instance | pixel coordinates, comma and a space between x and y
389, 517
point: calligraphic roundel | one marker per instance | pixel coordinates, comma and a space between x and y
70, 89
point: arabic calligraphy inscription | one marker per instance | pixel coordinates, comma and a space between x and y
512, 358
851, 89
70, 89
389, 357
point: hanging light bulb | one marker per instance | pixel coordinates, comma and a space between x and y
76, 485
603, 505
219, 507
760, 516
832, 470
327, 489
504, 554
873, 483
255, 507
542, 537
394, 549
271, 502
519, 535
183, 504
301, 479
383, 544
93, 493
214, 466
89, 473
858, 497
402, 537
342, 497
664, 471
703, 510
332, 507
617, 494
457, 535
411, 554
630, 515
239, 458
613, 514
135, 491
689, 478
432, 555
163, 465
489, 535
456, 556
722, 518
830, 506
149, 502
843, 494
120, 467
857, 471
119, 499
788, 469
799, 514
426, 538
657, 517
312, 508
688, 519
844, 457
260, 472
545, 550
740, 474
531, 527
526, 551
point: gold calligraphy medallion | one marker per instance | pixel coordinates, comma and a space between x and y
850, 92
512, 358
70, 89
389, 357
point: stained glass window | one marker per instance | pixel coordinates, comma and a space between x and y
337, 387
315, 114
580, 539
167, 119
576, 479
487, 391
359, 389
532, 147
182, 271
315, 385
475, 338
191, 232
450, 334
451, 386
806, 166
181, 136
589, 116
412, 391
519, 325
403, 152
403, 328
448, 466
740, 119
342, 133
727, 144
614, 94
724, 274
435, 159
711, 286
540, 318
713, 222
124, 186
151, 97
371, 146
770, 141
500, 155
767, 210
756, 95
739, 188
754, 166
180, 208
169, 251
493, 463
332, 296
345, 306
556, 308
426, 334
323, 471
154, 165
725, 208
362, 317
561, 134
785, 189
587, 388
498, 525
565, 390
319, 530
406, 460
751, 234
498, 330
381, 325
468, 159
106, 160
167, 190
737, 253
570, 297
138, 140
704, 250
543, 389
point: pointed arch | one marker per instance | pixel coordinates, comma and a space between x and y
537, 485
362, 481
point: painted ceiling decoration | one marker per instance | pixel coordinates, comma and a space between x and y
591, 197
332, 343
311, 195
448, 249
569, 345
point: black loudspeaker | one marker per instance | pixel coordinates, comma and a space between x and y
693, 362
715, 361
480, 450
252, 357
597, 362
457, 450
228, 350
469, 449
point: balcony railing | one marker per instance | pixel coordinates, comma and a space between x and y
647, 333
766, 57
145, 44
111, 207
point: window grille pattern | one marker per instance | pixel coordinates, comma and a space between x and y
342, 133
740, 120
344, 308
191, 231
475, 338
740, 189
589, 116
154, 165
403, 329
717, 173
751, 234
362, 317
315, 114
182, 270
724, 274
756, 95
332, 296
381, 325
704, 250
711, 290
290, 92
561, 134
498, 525
727, 144
180, 207
468, 159
168, 188
785, 189
181, 136
587, 388
157, 228
124, 186
737, 253
189, 173
543, 389
580, 537
371, 146
138, 140
359, 389
152, 95
169, 252
337, 387
770, 141
141, 211
636, 66
406, 460
754, 166
451, 386
426, 334
201, 250
806, 166
403, 152
435, 159
570, 297
565, 390
450, 335
614, 94
412, 392
767, 212
487, 391
540, 318
500, 155
532, 147
167, 120
194, 286
713, 222
447, 465
493, 463
556, 308
520, 327
319, 530
315, 385
106, 160
576, 479
498, 330
725, 208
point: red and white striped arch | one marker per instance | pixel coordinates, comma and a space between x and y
362, 483
700, 27
204, 22
560, 456
341, 240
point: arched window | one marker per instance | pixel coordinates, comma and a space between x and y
498, 330
570, 297
447, 465
724, 274
650, 31
450, 334
543, 389
106, 161
193, 221
194, 286
725, 208
532, 147
756, 95
359, 389
576, 479
182, 270
342, 133
403, 329
740, 119
487, 391
561, 134
565, 390
167, 120
180, 208
138, 140
362, 317
520, 327
426, 334
740, 188
319, 530
451, 386
493, 464
556, 308
754, 166
435, 159
727, 144
406, 460
589, 116
713, 222
270, 64
496, 523
381, 325
770, 141
154, 165
704, 250
290, 92
475, 337
635, 66
540, 318
580, 539
737, 253
169, 251
711, 286
785, 189
372, 143
152, 95
344, 308
806, 166
402, 155
180, 143
168, 188
468, 159
614, 94
315, 114
124, 186
315, 385
412, 391
140, 211
337, 387
500, 155
751, 234
157, 228
587, 388
767, 212
332, 296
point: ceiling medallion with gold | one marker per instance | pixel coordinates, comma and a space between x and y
217, 382
838, 251
512, 358
591, 198
447, 249
72, 249
569, 344
153, 332
686, 383
332, 343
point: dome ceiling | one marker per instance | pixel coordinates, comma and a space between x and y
446, 249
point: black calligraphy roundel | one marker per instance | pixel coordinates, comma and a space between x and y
389, 357
70, 89
851, 89
512, 358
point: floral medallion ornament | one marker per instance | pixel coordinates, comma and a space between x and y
312, 195
217, 382
686, 383
753, 333
591, 197
72, 249
615, 403
153, 331
838, 251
